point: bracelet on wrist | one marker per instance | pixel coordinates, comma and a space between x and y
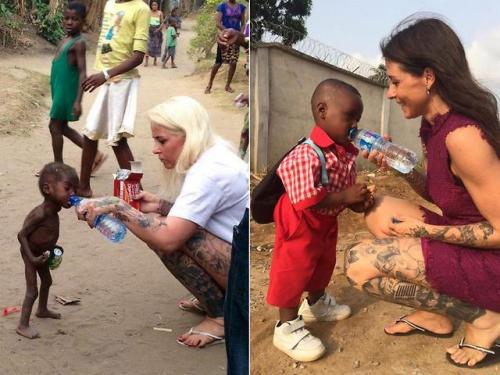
106, 74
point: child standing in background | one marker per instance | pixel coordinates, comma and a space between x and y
67, 73
171, 43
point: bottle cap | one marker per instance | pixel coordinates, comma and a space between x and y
352, 133
74, 200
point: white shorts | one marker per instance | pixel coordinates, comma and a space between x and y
112, 115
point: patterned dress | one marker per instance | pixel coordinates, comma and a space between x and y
155, 37
469, 274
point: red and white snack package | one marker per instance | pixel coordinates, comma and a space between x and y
127, 183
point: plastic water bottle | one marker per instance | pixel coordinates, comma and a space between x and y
111, 227
397, 157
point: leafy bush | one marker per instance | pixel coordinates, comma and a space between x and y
10, 26
49, 27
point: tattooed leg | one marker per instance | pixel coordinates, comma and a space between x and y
419, 297
398, 259
202, 267
196, 280
211, 253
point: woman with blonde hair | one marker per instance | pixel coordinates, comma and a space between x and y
204, 195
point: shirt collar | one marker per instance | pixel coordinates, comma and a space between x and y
323, 140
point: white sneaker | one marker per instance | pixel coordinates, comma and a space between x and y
295, 340
325, 309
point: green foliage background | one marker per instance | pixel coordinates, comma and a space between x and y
37, 12
51, 28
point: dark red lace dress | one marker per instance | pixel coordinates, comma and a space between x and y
469, 274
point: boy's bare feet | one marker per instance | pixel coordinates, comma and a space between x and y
48, 314
229, 89
207, 89
174, 66
28, 332
434, 323
207, 332
164, 66
483, 331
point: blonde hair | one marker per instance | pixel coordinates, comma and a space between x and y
184, 116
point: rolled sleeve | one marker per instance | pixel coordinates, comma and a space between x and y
141, 30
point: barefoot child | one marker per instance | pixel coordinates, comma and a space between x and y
306, 220
39, 235
68, 71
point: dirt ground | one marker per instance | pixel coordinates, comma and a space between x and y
358, 344
124, 289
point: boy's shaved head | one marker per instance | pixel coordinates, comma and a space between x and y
327, 90
56, 172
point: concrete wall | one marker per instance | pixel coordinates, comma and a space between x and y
282, 83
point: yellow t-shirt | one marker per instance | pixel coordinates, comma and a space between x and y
125, 29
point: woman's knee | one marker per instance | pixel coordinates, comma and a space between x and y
378, 218
357, 267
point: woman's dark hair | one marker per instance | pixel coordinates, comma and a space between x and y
419, 43
79, 8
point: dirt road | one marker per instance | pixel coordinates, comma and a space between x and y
125, 290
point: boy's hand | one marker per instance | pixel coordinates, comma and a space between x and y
77, 110
93, 82
355, 194
363, 206
149, 202
40, 260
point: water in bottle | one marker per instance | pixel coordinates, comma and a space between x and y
111, 227
397, 157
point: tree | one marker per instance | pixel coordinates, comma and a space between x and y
53, 6
380, 74
286, 18
94, 13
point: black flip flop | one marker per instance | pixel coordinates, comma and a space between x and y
492, 356
417, 330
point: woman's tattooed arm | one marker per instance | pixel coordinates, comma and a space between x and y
417, 180
480, 235
164, 207
160, 233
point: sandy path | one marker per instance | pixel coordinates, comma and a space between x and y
125, 289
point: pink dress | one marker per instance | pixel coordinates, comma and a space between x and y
469, 274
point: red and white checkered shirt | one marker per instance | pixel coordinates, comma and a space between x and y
300, 172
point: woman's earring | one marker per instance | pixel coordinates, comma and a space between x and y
427, 91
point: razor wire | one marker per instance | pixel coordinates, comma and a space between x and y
273, 33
